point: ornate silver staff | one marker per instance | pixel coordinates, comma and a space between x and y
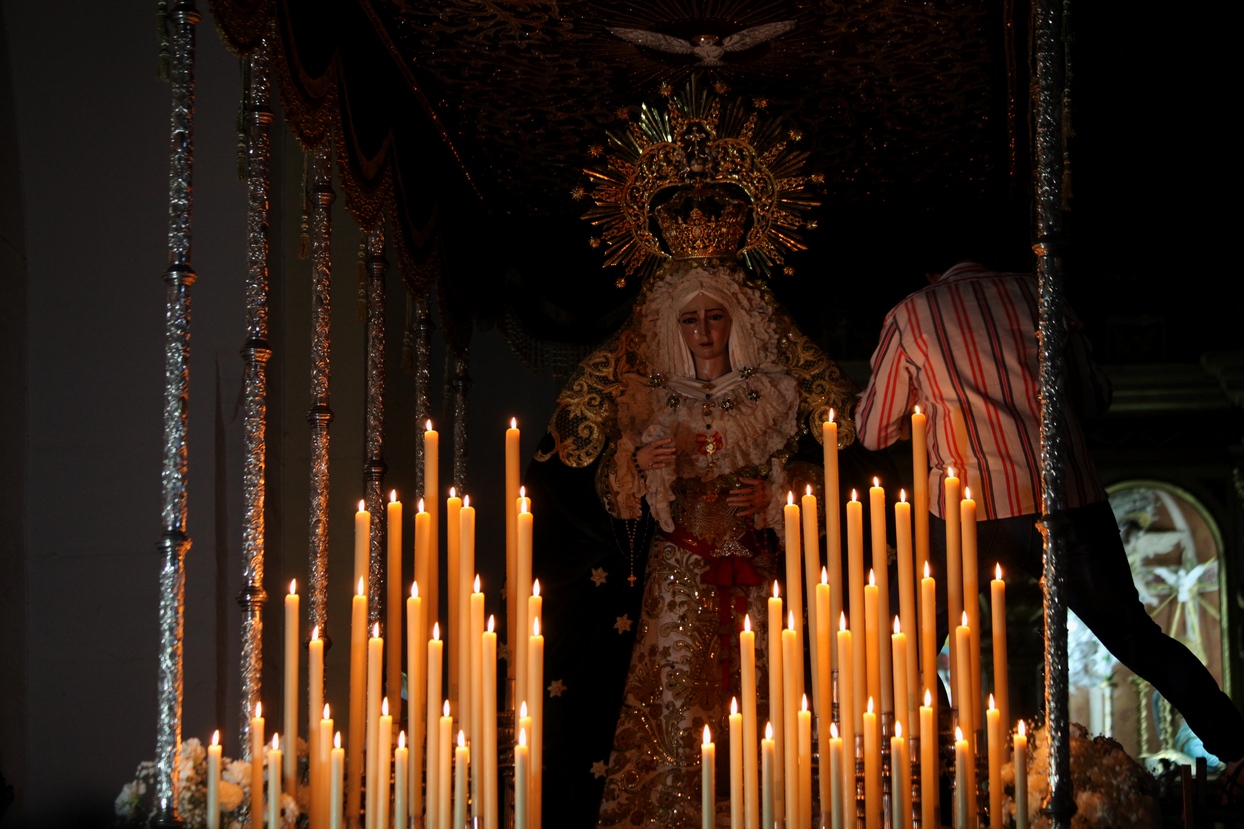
174, 543
462, 386
1049, 56
374, 468
255, 353
320, 416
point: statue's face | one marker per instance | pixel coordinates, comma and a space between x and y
705, 326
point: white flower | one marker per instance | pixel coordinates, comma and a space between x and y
237, 772
131, 794
230, 795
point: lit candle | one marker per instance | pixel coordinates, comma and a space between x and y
907, 700
824, 703
321, 767
872, 769
522, 785
881, 569
777, 699
336, 772
997, 755
898, 641
517, 636
961, 780
747, 683
1021, 777
929, 679
375, 665
794, 579
736, 765
291, 686
435, 689
384, 734
835, 778
708, 781
431, 488
1001, 686
900, 766
455, 626
847, 707
467, 640
416, 690
965, 703
489, 663
316, 751
535, 700
804, 729
213, 782
478, 757
858, 672
767, 764
872, 638
444, 777
790, 722
393, 605
920, 484
362, 542
811, 570
513, 477
274, 782
257, 758
954, 569
971, 602
357, 729
401, 762
833, 531
462, 756
928, 762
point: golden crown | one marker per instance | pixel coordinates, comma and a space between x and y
715, 179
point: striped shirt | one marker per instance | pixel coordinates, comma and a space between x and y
968, 342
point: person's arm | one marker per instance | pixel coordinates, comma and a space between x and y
882, 412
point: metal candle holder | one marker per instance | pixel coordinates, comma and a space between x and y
861, 803
887, 793
915, 782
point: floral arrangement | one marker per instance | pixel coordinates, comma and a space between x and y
135, 805
1111, 789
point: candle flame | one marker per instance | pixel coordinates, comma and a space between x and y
401, 739
466, 501
384, 707
421, 507
337, 740
1022, 729
293, 587
992, 707
327, 716
392, 496
362, 506
445, 708
967, 493
833, 730
492, 623
216, 737
805, 703
926, 570
436, 631
775, 588
958, 734
807, 490
965, 618
414, 589
514, 423
375, 631
876, 482
258, 710
535, 626
362, 591
535, 588
708, 738
790, 620
453, 492
917, 408
522, 492
872, 579
522, 505
747, 622
461, 738
790, 498
897, 627
842, 621
928, 698
902, 495
522, 737
950, 472
854, 496
477, 582
276, 742
315, 632
427, 427
831, 415
734, 706
898, 730
768, 731
870, 705
997, 571
522, 710
824, 576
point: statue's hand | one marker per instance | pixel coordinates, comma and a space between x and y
751, 499
655, 455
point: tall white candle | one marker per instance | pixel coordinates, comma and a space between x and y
321, 767
794, 578
833, 529
444, 778
736, 765
971, 601
416, 690
375, 664
858, 673
747, 683
920, 485
291, 686
489, 663
336, 772
274, 782
812, 571
434, 693
456, 637
257, 762
315, 708
777, 700
1021, 777
477, 757
462, 622
1001, 689
401, 762
462, 756
908, 700
393, 606
512, 481
708, 781
357, 727
881, 570
522, 782
767, 790
431, 494
835, 779
804, 737
384, 739
362, 542
997, 756
517, 638
535, 700
213, 782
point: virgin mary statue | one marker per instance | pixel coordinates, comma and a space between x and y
661, 481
